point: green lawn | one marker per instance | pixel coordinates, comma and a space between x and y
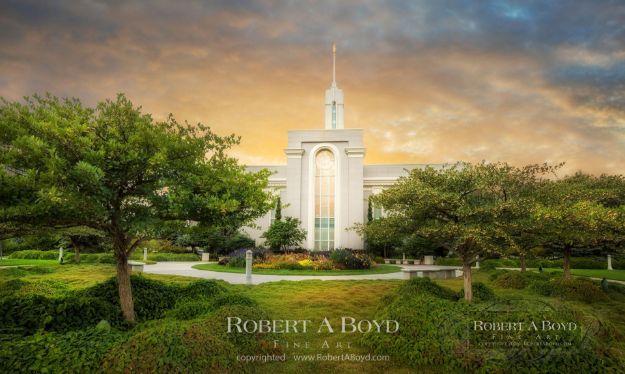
310, 300
20, 262
378, 269
594, 273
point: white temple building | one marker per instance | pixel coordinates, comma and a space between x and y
325, 182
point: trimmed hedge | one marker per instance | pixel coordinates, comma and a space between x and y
35, 255
163, 257
101, 258
576, 263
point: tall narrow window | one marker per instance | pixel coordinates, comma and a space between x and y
334, 114
325, 172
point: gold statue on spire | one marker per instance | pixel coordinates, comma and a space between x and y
334, 48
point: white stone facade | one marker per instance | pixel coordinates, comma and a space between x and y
325, 182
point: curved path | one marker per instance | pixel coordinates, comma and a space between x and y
185, 269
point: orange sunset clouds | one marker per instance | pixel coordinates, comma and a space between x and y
428, 81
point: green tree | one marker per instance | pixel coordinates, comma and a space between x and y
456, 207
279, 209
581, 215
80, 237
220, 194
284, 234
369, 210
381, 235
111, 169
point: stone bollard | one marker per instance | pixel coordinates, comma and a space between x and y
145, 254
60, 255
477, 262
248, 266
610, 262
206, 257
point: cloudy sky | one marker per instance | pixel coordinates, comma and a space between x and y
428, 81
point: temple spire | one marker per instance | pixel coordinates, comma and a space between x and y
334, 64
334, 100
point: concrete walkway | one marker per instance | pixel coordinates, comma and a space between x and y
185, 269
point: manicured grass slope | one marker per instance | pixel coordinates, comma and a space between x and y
311, 300
378, 269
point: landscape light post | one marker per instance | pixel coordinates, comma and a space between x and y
610, 262
248, 266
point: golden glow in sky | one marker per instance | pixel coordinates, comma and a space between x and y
428, 81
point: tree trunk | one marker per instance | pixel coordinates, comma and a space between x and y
567, 263
124, 288
522, 259
76, 251
468, 289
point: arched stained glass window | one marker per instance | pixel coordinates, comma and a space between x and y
325, 172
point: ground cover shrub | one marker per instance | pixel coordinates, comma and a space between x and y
512, 279
418, 286
578, 289
191, 308
151, 298
28, 314
518, 279
435, 334
47, 287
188, 309
71, 352
22, 271
201, 345
481, 292
494, 274
79, 309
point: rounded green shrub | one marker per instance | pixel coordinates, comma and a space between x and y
418, 286
151, 298
232, 299
512, 279
578, 289
189, 309
202, 288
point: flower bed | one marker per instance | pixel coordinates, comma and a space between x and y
340, 259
